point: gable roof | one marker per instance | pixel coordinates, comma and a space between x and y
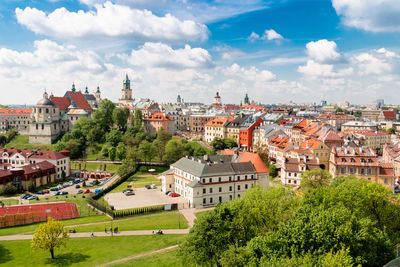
61, 102
78, 100
255, 159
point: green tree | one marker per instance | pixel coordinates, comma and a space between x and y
74, 147
138, 119
315, 178
163, 136
31, 187
158, 148
112, 153
218, 144
120, 117
230, 142
104, 115
392, 130
273, 172
145, 151
105, 149
121, 151
114, 137
174, 150
3, 139
49, 236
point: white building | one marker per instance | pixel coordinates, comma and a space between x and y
208, 180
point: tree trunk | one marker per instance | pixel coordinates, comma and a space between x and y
52, 253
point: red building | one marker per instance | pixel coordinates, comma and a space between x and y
158, 120
246, 131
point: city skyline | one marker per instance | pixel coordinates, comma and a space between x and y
310, 50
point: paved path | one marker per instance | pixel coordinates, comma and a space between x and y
139, 255
123, 233
190, 214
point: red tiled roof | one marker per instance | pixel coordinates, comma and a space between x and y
15, 111
255, 159
61, 102
389, 115
386, 169
79, 100
159, 117
48, 154
38, 167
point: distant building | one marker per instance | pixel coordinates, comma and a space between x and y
217, 101
246, 100
215, 128
359, 125
293, 168
126, 93
15, 118
155, 121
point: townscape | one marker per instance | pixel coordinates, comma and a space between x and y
199, 133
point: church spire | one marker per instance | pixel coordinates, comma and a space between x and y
73, 88
86, 90
98, 90
127, 83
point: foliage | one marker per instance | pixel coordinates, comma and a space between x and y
8, 190
120, 117
104, 115
112, 153
135, 211
221, 144
49, 236
273, 172
174, 150
315, 178
114, 137
31, 187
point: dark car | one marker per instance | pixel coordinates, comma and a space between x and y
148, 186
40, 192
64, 193
397, 190
26, 196
77, 186
54, 189
167, 192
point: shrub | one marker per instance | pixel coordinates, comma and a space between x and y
9, 189
31, 187
143, 168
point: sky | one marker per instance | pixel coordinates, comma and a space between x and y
276, 51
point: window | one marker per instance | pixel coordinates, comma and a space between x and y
204, 190
230, 188
245, 177
289, 181
252, 177
238, 187
204, 201
211, 200
220, 199
295, 182
362, 171
230, 178
342, 170
351, 170
220, 189
369, 170
210, 189
386, 181
230, 197
210, 180
290, 174
246, 186
204, 180
352, 160
219, 179
238, 195
238, 178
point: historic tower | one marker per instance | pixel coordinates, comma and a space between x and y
126, 96
217, 101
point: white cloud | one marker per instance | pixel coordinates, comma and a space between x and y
369, 15
315, 69
229, 53
271, 35
253, 37
163, 56
370, 64
111, 20
250, 74
285, 60
323, 51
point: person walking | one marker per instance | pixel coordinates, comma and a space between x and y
92, 235
105, 230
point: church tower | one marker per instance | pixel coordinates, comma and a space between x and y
217, 101
126, 93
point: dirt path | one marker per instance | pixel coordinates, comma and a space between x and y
139, 255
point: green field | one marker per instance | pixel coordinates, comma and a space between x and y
140, 182
90, 251
83, 208
22, 141
167, 258
9, 201
94, 166
164, 220
30, 229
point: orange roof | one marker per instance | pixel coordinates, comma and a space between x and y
15, 111
255, 159
301, 151
217, 122
311, 144
158, 116
227, 152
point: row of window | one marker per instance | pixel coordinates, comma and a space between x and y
246, 186
210, 180
352, 170
211, 200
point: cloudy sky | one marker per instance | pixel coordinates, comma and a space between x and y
276, 51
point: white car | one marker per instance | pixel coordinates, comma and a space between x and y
153, 186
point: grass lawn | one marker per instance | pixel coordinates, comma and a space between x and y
201, 213
167, 258
141, 182
22, 141
90, 251
30, 229
164, 220
9, 201
94, 166
81, 203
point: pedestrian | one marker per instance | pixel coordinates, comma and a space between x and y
105, 230
152, 232
111, 229
92, 235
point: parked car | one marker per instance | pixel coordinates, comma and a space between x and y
80, 191
97, 190
127, 190
25, 196
153, 186
147, 186
46, 191
175, 195
32, 198
86, 191
77, 181
77, 186
39, 192
60, 186
71, 183
129, 193
397, 190
64, 193
167, 192
57, 193
54, 189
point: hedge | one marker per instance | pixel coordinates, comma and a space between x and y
135, 211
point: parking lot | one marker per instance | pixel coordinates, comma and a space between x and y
143, 198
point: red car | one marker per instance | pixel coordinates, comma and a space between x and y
46, 191
175, 195
86, 191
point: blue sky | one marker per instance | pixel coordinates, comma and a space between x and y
277, 51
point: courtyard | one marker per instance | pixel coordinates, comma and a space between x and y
143, 198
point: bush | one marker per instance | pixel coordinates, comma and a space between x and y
143, 168
31, 187
9, 189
